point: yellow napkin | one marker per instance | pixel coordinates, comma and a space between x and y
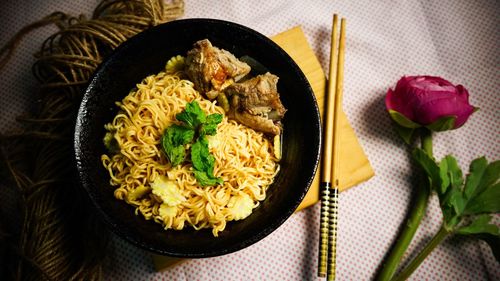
354, 166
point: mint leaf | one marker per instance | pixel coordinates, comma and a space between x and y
210, 126
176, 155
203, 163
199, 154
173, 140
194, 123
215, 118
193, 115
486, 202
205, 180
181, 135
429, 165
476, 171
481, 224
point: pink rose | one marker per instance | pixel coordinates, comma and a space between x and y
428, 101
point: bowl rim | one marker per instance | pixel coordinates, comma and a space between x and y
114, 226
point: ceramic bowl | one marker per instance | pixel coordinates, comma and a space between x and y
146, 54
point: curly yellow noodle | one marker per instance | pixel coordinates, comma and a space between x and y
243, 157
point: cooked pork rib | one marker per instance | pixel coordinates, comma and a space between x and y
211, 69
256, 103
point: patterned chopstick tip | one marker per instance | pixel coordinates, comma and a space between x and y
332, 234
324, 225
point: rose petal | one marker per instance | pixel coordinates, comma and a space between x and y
462, 93
463, 115
437, 80
397, 103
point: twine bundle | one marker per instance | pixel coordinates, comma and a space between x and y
58, 237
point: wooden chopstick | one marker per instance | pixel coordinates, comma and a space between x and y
329, 178
326, 160
334, 201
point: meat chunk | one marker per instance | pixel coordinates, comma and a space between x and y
212, 69
256, 103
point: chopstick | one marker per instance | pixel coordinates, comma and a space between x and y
330, 161
334, 201
326, 164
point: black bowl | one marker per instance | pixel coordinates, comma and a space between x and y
145, 54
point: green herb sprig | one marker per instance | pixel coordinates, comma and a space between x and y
194, 126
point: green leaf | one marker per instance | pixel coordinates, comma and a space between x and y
442, 124
402, 120
215, 118
485, 197
405, 133
449, 190
192, 116
450, 220
173, 141
480, 224
452, 203
199, 154
443, 174
429, 165
181, 135
457, 201
210, 126
476, 171
454, 172
489, 233
176, 137
175, 154
486, 202
205, 180
490, 177
203, 163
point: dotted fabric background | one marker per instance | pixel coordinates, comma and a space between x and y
458, 40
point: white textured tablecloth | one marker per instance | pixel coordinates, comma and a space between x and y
458, 40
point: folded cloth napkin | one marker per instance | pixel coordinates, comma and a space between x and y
354, 166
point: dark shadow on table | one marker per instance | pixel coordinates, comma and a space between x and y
378, 124
307, 262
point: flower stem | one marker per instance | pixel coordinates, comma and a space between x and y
415, 263
426, 140
414, 218
404, 240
